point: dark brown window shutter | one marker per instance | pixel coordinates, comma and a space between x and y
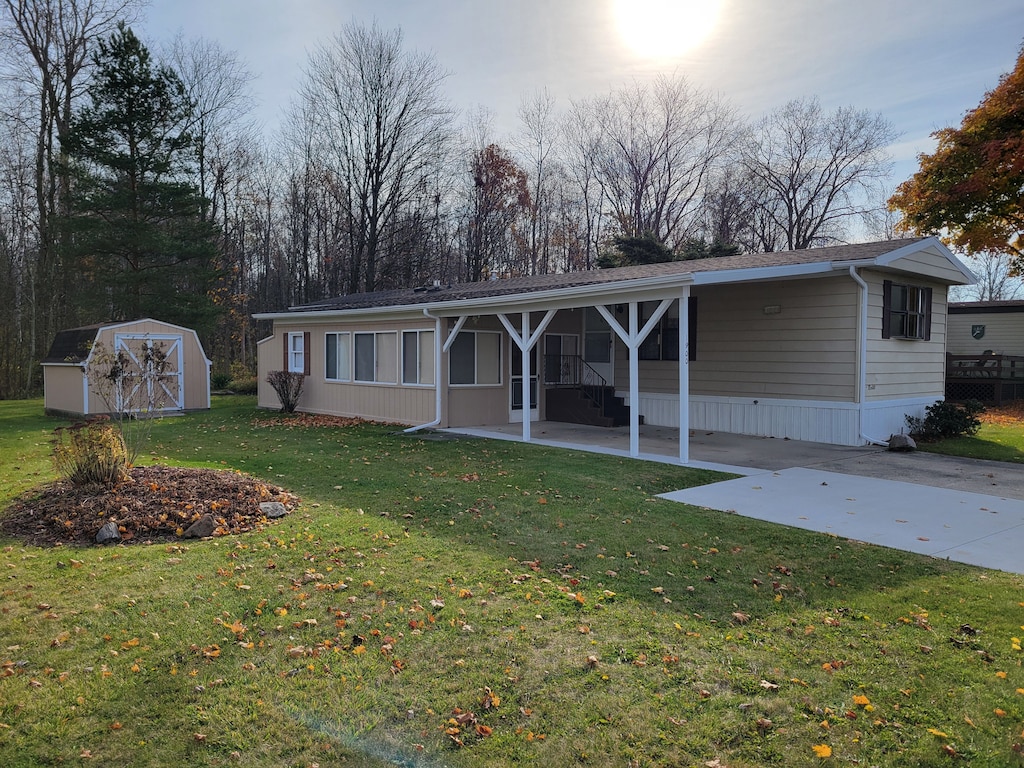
886, 308
305, 353
927, 313
284, 347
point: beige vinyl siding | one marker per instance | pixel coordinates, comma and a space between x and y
905, 368
806, 351
1004, 333
63, 385
924, 265
390, 401
476, 406
268, 358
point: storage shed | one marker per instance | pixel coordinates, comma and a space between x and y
139, 366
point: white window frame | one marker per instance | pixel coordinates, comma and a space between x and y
476, 360
343, 359
379, 359
296, 352
415, 378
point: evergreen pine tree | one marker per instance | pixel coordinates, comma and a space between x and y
136, 231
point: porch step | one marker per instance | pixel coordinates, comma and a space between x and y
576, 405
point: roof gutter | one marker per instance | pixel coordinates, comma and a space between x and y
862, 357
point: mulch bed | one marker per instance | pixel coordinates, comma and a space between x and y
156, 503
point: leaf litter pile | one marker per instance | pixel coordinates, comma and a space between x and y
156, 503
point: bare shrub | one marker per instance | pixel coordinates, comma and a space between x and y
288, 386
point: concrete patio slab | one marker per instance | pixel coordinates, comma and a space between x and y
941, 522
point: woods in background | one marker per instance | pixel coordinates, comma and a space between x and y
134, 181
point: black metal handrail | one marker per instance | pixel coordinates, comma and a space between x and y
573, 371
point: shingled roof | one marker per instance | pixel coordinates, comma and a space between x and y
519, 286
72, 344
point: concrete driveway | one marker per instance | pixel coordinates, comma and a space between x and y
964, 510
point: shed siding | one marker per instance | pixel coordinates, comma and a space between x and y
903, 368
195, 373
1004, 333
63, 387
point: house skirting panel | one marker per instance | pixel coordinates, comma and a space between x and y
817, 421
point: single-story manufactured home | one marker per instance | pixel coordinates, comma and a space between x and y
985, 346
977, 327
834, 345
158, 368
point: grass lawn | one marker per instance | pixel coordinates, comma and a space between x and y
475, 603
994, 441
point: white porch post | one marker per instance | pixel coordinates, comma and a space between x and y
684, 376
634, 380
526, 341
633, 338
525, 351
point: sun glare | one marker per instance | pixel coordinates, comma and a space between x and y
664, 28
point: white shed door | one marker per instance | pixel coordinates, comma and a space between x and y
151, 377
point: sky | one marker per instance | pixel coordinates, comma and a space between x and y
920, 63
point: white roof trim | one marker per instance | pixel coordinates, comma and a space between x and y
755, 274
114, 326
931, 243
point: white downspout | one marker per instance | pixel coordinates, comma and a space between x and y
862, 358
684, 376
437, 375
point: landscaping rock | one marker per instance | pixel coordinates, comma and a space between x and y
273, 509
108, 534
201, 528
902, 443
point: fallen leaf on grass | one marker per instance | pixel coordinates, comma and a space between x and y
822, 750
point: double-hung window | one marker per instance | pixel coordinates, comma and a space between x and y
296, 352
417, 357
376, 357
475, 358
906, 311
338, 357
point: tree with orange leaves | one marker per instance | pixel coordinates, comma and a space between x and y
971, 189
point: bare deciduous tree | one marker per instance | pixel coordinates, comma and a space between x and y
657, 147
997, 278
383, 122
813, 173
536, 144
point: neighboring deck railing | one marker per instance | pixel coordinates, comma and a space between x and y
995, 379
